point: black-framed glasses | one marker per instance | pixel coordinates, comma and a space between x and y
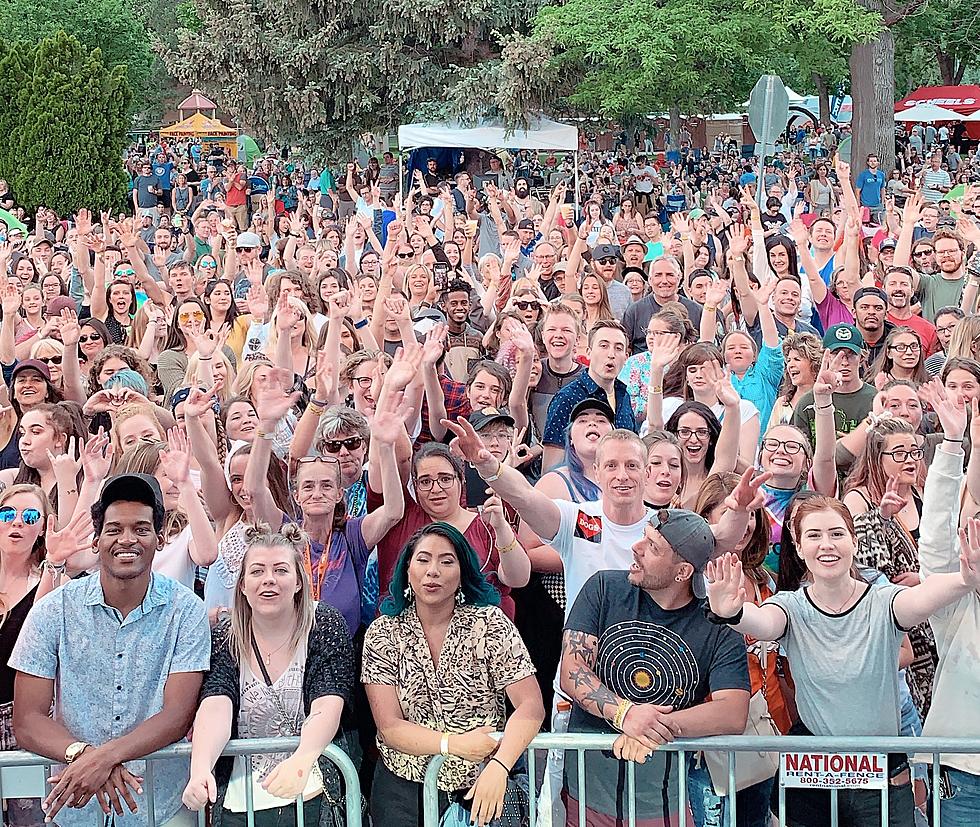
405, 255
788, 446
608, 260
903, 454
333, 446
687, 433
29, 515
92, 337
920, 253
49, 360
363, 382
906, 347
525, 305
444, 481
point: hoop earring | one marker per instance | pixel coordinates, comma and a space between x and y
460, 597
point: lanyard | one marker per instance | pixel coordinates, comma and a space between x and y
316, 578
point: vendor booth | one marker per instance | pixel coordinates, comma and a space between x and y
209, 130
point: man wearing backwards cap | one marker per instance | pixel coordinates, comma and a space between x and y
640, 657
588, 536
870, 308
127, 649
853, 398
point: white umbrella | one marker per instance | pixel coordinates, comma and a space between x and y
973, 118
927, 113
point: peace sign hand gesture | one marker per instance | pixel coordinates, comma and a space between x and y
892, 502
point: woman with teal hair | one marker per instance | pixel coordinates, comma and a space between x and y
439, 664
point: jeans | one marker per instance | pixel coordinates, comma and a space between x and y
711, 810
276, 816
962, 809
397, 802
856, 808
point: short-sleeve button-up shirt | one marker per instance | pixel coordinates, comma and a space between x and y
582, 387
110, 672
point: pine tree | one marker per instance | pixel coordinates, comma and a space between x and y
66, 147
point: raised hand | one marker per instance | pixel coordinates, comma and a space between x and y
717, 293
73, 538
175, 461
326, 377
10, 298
737, 242
97, 455
71, 331
434, 345
892, 501
208, 341
198, 401
83, 221
970, 553
828, 380
338, 306
404, 367
665, 350
726, 594
723, 388
287, 313
66, 465
388, 423
273, 403
749, 494
763, 292
398, 308
258, 301
470, 445
951, 412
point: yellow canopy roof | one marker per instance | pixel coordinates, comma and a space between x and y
198, 125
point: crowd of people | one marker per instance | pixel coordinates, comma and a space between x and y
425, 467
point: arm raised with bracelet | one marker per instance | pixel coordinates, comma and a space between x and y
540, 513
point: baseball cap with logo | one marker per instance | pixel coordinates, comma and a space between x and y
525, 224
602, 251
697, 213
844, 336
480, 419
690, 537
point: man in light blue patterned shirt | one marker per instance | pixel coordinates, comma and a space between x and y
122, 653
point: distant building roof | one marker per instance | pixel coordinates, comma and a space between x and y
195, 102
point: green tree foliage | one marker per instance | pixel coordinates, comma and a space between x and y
947, 31
109, 25
66, 128
320, 73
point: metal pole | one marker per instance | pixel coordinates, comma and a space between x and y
577, 206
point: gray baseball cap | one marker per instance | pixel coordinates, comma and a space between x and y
690, 536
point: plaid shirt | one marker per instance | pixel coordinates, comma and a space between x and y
456, 405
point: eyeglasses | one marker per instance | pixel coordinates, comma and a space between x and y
788, 446
444, 481
333, 446
29, 515
607, 260
363, 382
910, 347
49, 360
92, 337
192, 316
687, 433
497, 437
899, 455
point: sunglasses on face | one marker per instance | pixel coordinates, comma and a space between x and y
525, 305
607, 260
208, 265
245, 249
129, 271
405, 255
333, 446
29, 515
92, 337
49, 360
195, 316
918, 253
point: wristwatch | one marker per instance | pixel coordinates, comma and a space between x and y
74, 750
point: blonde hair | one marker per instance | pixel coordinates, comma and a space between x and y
246, 376
37, 552
190, 375
290, 536
131, 412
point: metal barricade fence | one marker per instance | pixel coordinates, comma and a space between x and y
580, 743
20, 782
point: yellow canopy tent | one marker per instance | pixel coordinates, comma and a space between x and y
209, 130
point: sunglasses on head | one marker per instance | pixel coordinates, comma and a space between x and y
29, 515
333, 446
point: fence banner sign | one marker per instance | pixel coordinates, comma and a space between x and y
828, 770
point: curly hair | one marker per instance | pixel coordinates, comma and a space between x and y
809, 346
125, 354
475, 588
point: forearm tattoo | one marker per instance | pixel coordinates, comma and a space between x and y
588, 690
582, 646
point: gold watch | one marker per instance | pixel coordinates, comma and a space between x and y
74, 750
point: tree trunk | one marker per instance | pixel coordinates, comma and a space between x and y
873, 92
675, 127
947, 68
823, 98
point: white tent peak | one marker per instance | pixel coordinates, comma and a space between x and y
541, 133
927, 113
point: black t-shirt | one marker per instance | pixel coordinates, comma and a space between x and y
647, 655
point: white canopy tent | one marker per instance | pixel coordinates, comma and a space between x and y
927, 113
540, 134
